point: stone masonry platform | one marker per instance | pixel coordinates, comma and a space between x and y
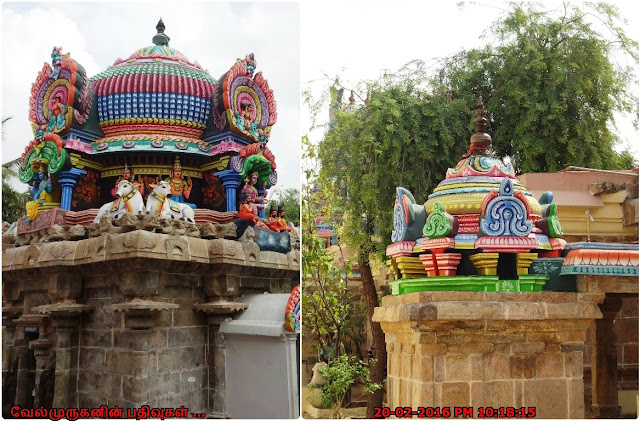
127, 312
487, 349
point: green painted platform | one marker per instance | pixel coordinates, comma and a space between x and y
526, 283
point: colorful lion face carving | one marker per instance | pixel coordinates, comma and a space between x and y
244, 102
60, 96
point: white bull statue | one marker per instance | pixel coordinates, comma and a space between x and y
167, 208
129, 201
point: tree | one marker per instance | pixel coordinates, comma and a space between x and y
552, 78
402, 136
339, 375
326, 298
13, 202
548, 81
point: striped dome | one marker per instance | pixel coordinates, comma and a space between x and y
157, 90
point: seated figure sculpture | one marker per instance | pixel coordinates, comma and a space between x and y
248, 211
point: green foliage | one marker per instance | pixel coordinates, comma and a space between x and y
551, 84
403, 136
290, 200
326, 299
13, 202
339, 375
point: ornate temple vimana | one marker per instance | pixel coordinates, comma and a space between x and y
146, 238
479, 230
153, 116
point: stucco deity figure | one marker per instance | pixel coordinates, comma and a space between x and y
128, 176
281, 222
180, 188
248, 210
245, 118
56, 61
40, 189
58, 117
250, 189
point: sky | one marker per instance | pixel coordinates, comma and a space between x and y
296, 47
213, 34
359, 41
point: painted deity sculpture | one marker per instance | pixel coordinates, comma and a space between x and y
128, 175
245, 118
251, 190
292, 311
246, 103
56, 59
168, 208
180, 188
281, 223
40, 190
273, 219
249, 212
129, 201
58, 118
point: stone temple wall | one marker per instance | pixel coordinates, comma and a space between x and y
480, 350
128, 314
626, 327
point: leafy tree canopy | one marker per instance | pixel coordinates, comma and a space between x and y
13, 201
551, 83
403, 136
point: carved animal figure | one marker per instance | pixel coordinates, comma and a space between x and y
167, 208
129, 201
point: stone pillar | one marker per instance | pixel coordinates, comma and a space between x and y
65, 319
604, 362
64, 329
9, 318
231, 180
603, 344
22, 380
68, 180
481, 349
218, 288
41, 348
217, 370
29, 326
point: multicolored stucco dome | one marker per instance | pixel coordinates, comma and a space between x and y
154, 115
479, 230
463, 191
156, 94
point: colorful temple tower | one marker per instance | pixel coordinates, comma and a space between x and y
492, 312
155, 114
138, 308
482, 231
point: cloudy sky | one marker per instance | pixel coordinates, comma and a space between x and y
214, 34
295, 46
359, 41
